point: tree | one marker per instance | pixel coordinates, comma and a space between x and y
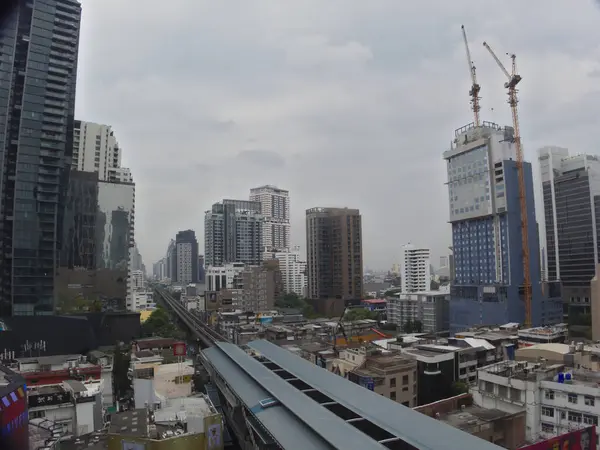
159, 324
291, 300
458, 388
408, 326
359, 314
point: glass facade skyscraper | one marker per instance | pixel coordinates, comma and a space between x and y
38, 68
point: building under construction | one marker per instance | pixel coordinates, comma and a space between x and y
485, 214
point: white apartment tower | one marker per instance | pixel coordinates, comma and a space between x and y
416, 269
95, 149
293, 270
275, 207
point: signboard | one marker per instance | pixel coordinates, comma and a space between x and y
14, 420
179, 349
56, 398
583, 439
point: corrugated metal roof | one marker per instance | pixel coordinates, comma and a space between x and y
286, 428
310, 416
415, 428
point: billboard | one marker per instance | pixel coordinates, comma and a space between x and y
583, 439
179, 349
14, 420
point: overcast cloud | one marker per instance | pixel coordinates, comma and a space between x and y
343, 102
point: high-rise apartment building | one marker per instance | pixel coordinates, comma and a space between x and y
334, 253
483, 190
95, 149
571, 193
38, 68
275, 207
293, 270
233, 233
186, 258
416, 269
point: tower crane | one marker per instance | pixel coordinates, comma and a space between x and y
475, 88
513, 80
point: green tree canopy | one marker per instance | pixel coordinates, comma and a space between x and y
159, 324
359, 314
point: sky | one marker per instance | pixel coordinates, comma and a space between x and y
343, 102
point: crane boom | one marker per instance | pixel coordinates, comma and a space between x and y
513, 80
475, 88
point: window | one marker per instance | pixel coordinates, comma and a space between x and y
548, 412
392, 382
393, 395
547, 427
590, 420
574, 417
572, 398
405, 379
549, 394
589, 401
37, 414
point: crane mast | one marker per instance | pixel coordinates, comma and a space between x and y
513, 80
475, 88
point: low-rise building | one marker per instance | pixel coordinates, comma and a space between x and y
430, 308
45, 370
73, 407
555, 398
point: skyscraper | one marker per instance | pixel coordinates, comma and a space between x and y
485, 215
275, 207
572, 218
233, 233
186, 257
38, 48
334, 253
416, 269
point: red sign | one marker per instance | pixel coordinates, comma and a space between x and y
584, 439
179, 349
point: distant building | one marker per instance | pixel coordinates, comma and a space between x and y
223, 277
275, 207
430, 308
293, 270
186, 258
233, 233
416, 269
261, 287
334, 253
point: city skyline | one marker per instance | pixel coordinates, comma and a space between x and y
340, 113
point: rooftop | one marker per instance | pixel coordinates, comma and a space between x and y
90, 441
130, 423
472, 417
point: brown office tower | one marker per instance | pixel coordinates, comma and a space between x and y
334, 253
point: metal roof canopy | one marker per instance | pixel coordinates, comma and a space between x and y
333, 431
283, 426
369, 412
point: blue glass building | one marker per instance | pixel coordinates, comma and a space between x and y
485, 215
